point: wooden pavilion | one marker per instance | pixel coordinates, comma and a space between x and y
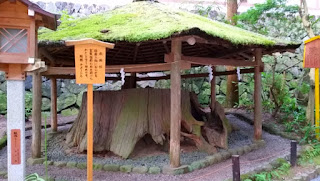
151, 37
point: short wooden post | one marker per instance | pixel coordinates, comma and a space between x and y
213, 89
175, 109
257, 96
293, 153
90, 132
235, 168
36, 115
54, 119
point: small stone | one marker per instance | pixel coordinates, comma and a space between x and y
48, 162
218, 157
176, 171
254, 146
211, 159
126, 168
35, 161
196, 165
225, 155
154, 170
233, 151
82, 165
140, 169
268, 168
318, 169
246, 149
240, 151
297, 178
111, 167
3, 173
60, 164
97, 166
72, 165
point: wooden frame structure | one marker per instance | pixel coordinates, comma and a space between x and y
173, 54
177, 52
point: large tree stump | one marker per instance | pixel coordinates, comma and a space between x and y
122, 118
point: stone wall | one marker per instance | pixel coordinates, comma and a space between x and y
74, 9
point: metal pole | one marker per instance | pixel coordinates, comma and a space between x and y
16, 130
236, 167
293, 154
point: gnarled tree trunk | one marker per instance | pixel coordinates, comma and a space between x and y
122, 118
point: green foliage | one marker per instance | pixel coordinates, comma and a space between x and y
255, 12
142, 21
272, 175
309, 153
34, 177
28, 104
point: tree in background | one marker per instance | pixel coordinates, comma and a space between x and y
232, 97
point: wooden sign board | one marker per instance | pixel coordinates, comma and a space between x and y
90, 60
15, 147
90, 63
311, 58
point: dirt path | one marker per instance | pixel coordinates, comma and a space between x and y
275, 147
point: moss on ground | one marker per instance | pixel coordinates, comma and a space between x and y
3, 141
142, 21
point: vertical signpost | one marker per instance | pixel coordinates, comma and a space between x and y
311, 59
90, 62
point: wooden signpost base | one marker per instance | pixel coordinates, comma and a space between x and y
90, 132
90, 61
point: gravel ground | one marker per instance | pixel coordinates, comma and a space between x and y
56, 152
275, 147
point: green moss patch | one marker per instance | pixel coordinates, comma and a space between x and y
143, 21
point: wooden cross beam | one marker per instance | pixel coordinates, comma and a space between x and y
116, 68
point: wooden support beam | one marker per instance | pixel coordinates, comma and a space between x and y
257, 96
175, 109
217, 61
232, 95
116, 68
45, 53
213, 89
36, 115
54, 119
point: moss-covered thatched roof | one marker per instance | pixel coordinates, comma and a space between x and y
144, 21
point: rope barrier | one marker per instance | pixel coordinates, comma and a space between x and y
260, 159
210, 173
241, 163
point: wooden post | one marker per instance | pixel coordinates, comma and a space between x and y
232, 97
90, 132
293, 153
257, 96
213, 89
54, 120
175, 112
36, 115
235, 168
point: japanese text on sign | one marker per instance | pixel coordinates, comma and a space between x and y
15, 147
90, 64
